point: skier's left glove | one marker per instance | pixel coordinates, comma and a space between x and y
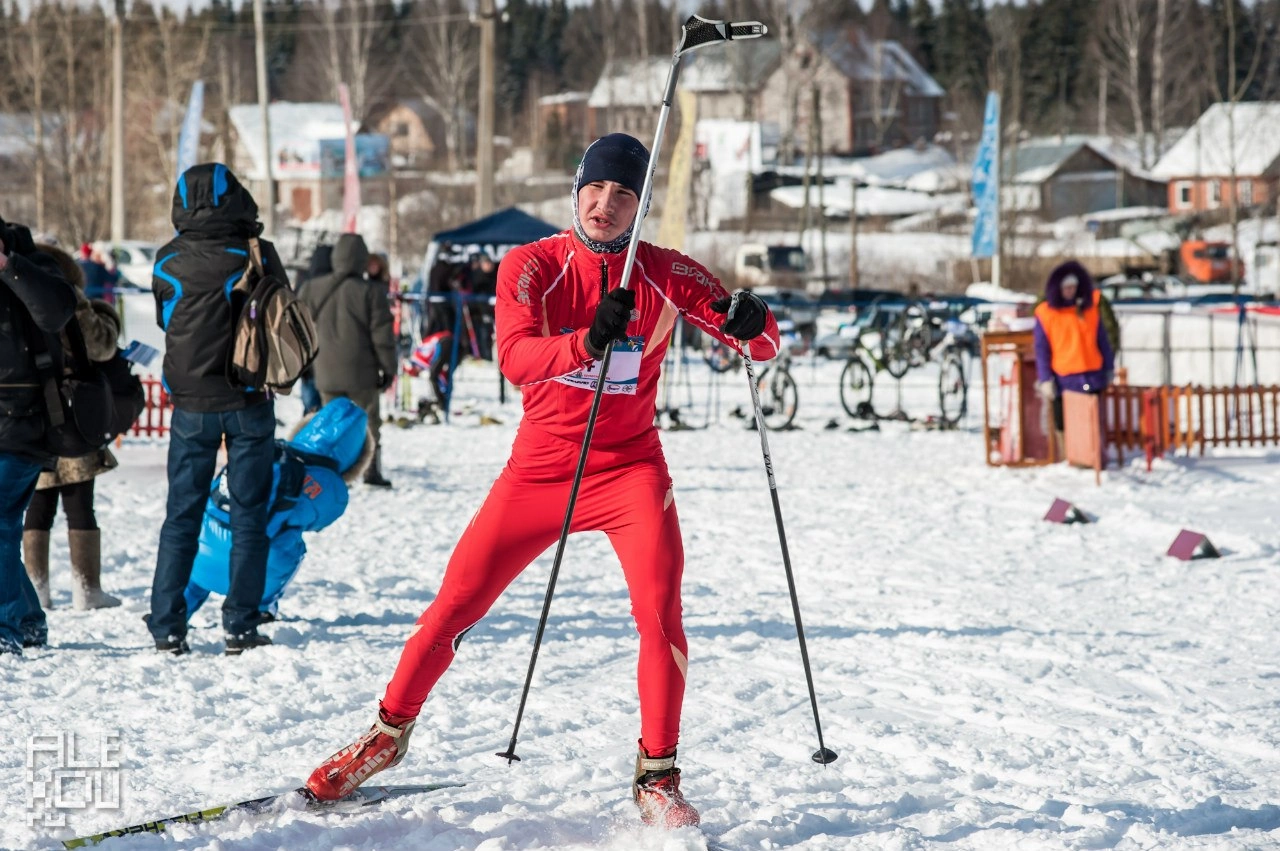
745, 314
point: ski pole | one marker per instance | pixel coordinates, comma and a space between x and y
694, 33
823, 754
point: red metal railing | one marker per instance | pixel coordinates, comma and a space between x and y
154, 419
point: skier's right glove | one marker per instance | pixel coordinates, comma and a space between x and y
1047, 389
612, 315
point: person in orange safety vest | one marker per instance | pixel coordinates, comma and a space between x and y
1073, 351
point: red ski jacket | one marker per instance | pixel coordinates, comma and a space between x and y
547, 296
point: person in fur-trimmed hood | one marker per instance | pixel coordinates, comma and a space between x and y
72, 480
1073, 351
326, 452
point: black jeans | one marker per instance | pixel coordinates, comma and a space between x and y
77, 504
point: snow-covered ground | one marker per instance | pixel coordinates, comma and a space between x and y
990, 681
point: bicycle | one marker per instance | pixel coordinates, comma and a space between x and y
779, 394
910, 338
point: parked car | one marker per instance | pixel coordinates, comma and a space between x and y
795, 305
133, 258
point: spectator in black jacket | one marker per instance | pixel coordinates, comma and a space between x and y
321, 265
34, 299
353, 317
215, 217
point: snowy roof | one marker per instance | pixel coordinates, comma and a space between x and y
290, 122
631, 82
1205, 150
744, 67
564, 97
859, 57
642, 82
1039, 159
900, 164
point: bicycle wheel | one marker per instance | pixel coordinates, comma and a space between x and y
953, 389
855, 389
779, 398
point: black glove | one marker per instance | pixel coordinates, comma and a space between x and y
612, 315
746, 314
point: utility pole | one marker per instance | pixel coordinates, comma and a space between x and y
484, 120
822, 203
853, 232
260, 45
117, 124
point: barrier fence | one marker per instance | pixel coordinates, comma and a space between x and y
1156, 420
154, 419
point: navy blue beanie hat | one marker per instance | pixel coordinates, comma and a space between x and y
617, 157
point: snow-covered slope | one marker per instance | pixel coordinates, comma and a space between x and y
991, 681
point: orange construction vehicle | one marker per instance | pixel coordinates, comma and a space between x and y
1208, 262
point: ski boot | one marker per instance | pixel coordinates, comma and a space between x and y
656, 790
381, 748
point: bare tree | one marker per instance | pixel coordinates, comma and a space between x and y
344, 42
1123, 45
442, 60
168, 56
1236, 88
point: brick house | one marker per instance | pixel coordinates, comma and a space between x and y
1231, 152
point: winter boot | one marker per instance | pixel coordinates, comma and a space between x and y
86, 570
373, 476
656, 790
35, 555
381, 748
238, 643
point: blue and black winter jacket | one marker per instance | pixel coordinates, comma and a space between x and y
192, 279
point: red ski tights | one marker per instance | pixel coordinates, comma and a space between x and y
519, 520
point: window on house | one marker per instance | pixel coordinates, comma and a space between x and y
1215, 194
1244, 193
401, 129
1182, 194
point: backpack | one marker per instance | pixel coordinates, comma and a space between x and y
273, 338
89, 408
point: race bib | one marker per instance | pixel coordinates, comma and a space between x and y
624, 369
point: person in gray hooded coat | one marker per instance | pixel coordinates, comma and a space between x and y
357, 359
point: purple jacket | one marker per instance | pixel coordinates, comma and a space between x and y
1085, 382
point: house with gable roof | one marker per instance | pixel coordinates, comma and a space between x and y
874, 95
1060, 176
1232, 151
307, 155
725, 83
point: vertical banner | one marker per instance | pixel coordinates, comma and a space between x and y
986, 181
189, 137
675, 210
351, 173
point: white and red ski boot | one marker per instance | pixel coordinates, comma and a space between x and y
656, 790
382, 747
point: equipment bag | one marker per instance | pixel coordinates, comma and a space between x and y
273, 336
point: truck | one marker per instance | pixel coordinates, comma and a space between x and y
785, 267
